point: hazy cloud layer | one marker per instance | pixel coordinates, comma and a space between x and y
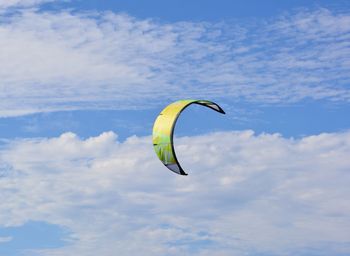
70, 60
245, 194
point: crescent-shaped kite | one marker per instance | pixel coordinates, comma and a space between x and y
163, 131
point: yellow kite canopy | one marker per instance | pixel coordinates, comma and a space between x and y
163, 131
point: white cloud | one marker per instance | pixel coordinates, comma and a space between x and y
5, 239
70, 60
244, 192
24, 3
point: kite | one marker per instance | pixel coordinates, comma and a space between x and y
163, 131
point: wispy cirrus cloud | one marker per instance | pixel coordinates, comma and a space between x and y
244, 192
70, 60
5, 239
25, 3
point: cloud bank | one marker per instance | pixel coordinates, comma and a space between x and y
245, 194
67, 60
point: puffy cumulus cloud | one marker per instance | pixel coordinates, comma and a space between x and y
245, 194
70, 60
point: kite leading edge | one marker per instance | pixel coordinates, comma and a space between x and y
163, 131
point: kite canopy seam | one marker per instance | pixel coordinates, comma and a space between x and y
163, 131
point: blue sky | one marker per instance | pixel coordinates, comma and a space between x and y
83, 81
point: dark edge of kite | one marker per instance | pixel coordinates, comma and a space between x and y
182, 172
220, 109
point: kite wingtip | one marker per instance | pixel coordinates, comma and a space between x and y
183, 173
